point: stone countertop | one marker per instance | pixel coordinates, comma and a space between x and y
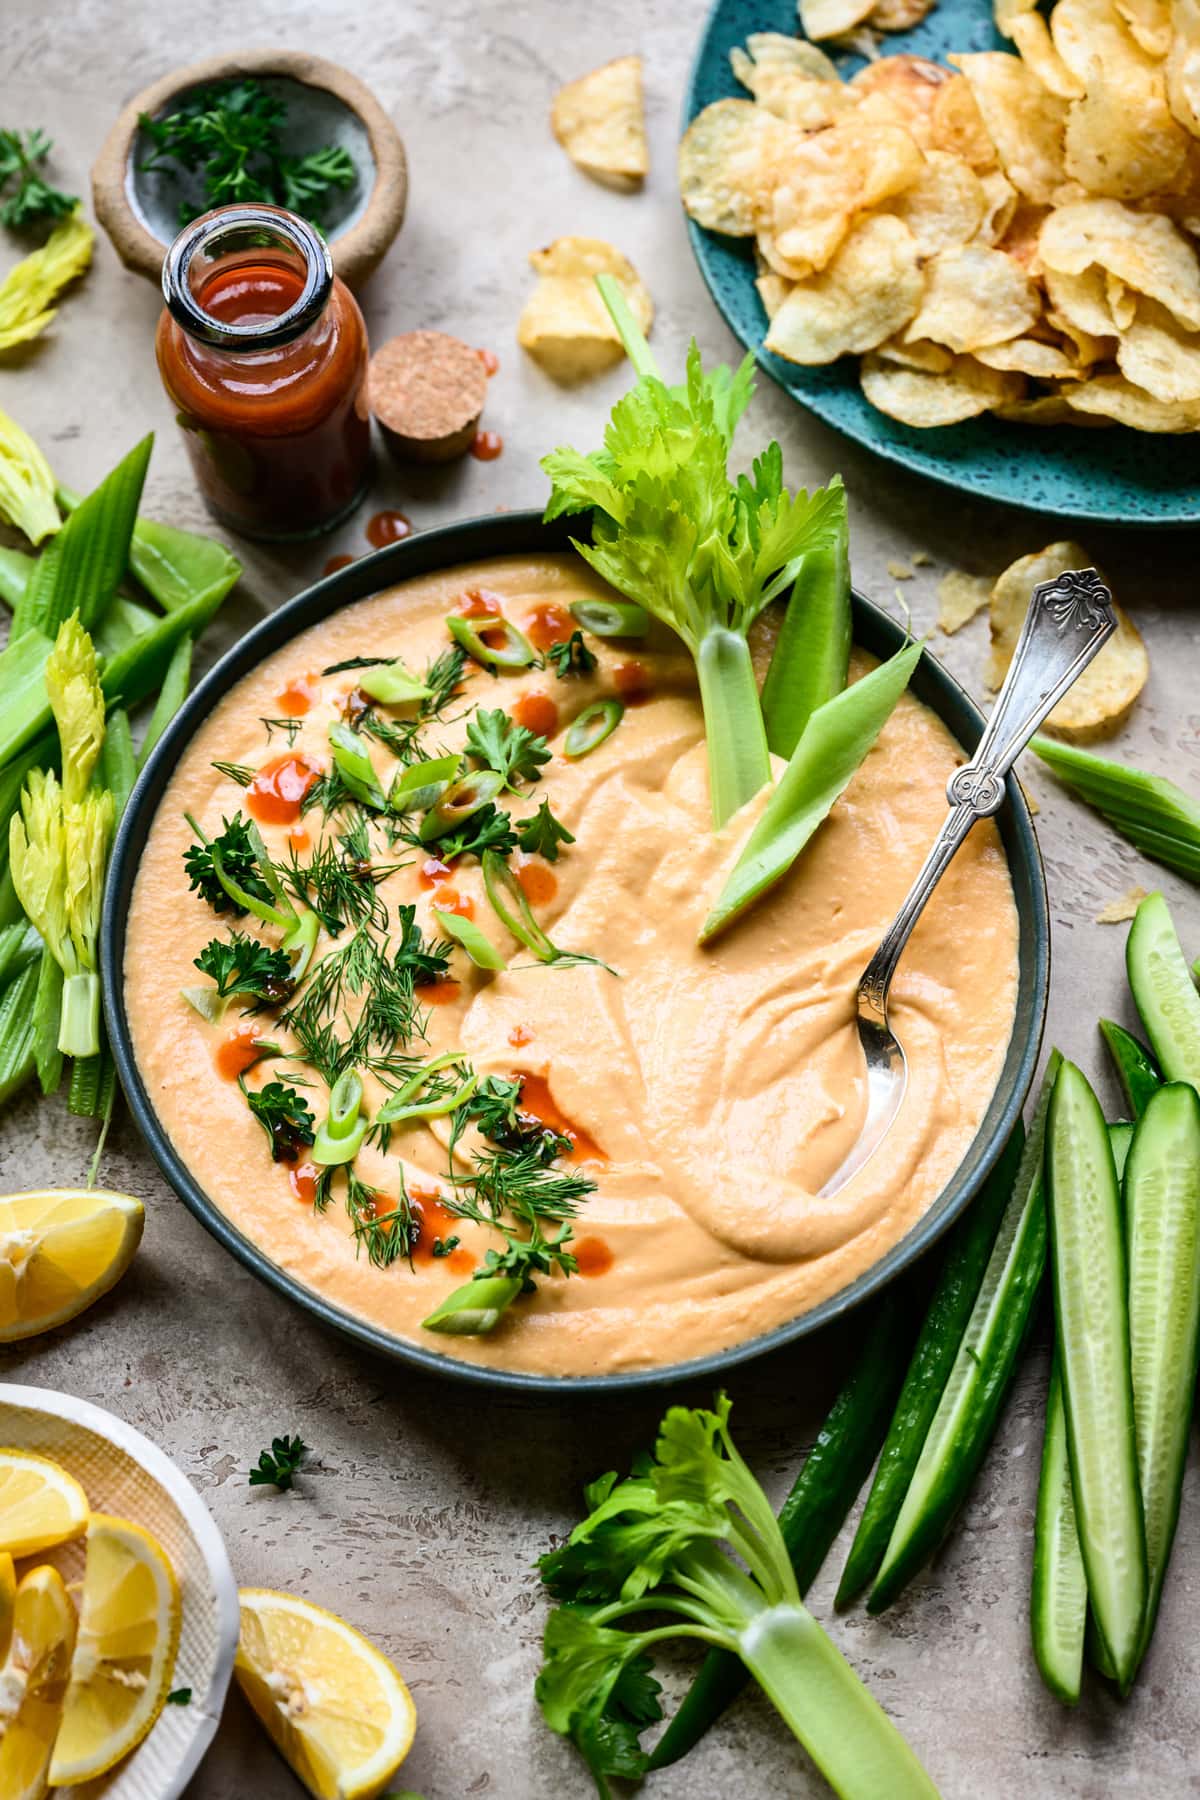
423, 1505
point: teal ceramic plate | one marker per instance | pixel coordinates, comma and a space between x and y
1114, 476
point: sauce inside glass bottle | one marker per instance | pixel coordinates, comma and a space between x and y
263, 353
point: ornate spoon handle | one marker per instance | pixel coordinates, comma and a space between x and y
1068, 621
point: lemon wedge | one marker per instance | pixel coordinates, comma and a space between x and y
8, 1601
60, 1249
40, 1504
33, 1682
124, 1653
335, 1707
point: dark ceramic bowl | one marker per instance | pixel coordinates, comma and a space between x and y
524, 534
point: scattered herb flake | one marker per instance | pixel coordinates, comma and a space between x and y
277, 1468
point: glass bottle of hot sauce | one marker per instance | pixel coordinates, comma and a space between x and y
263, 353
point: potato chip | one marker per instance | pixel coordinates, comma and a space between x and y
974, 295
1082, 299
944, 206
999, 205
956, 124
1022, 240
1183, 66
1114, 397
960, 597
870, 289
789, 85
1121, 139
773, 290
1157, 355
911, 83
600, 122
832, 18
1043, 409
1123, 908
1145, 250
1029, 356
898, 15
564, 323
933, 359
1110, 684
1025, 123
831, 176
1149, 23
1090, 31
1088, 349
725, 166
1122, 302
1021, 21
917, 398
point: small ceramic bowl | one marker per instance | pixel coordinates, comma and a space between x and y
140, 208
124, 1473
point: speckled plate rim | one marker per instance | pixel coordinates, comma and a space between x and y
1069, 476
517, 534
206, 1709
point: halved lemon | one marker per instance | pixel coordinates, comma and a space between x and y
124, 1654
40, 1504
8, 1601
334, 1706
33, 1682
60, 1249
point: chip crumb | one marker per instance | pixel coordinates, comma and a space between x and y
1029, 799
1122, 908
960, 597
899, 571
921, 559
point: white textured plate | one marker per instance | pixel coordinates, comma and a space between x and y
124, 1473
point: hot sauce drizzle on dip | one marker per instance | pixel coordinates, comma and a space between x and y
436, 1224
632, 682
537, 1099
302, 1179
593, 1256
548, 624
477, 603
276, 795
537, 713
238, 1052
299, 694
439, 993
538, 883
388, 527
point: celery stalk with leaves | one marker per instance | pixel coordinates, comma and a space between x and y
652, 1563
701, 552
59, 841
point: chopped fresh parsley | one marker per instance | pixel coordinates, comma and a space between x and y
230, 134
239, 860
179, 1697
32, 199
426, 959
286, 1118
542, 834
499, 743
241, 965
571, 657
488, 829
495, 1110
276, 1468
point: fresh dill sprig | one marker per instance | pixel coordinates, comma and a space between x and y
385, 1236
288, 725
238, 772
328, 792
520, 1184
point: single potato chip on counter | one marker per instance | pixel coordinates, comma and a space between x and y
565, 325
1124, 907
960, 597
600, 121
1108, 687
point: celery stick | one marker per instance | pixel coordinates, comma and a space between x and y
1159, 818
17, 1032
82, 568
10, 906
118, 765
24, 708
20, 945
47, 1009
811, 658
15, 569
171, 696
122, 625
174, 566
833, 745
141, 668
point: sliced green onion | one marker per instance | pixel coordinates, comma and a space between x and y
355, 767
474, 1308
207, 1002
595, 723
404, 1103
478, 946
611, 618
392, 684
300, 940
832, 747
416, 788
340, 1138
515, 652
460, 802
502, 887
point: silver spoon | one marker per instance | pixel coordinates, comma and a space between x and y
1068, 621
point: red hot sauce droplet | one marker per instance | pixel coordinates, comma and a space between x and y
388, 527
276, 794
298, 696
490, 361
486, 446
548, 624
632, 682
537, 713
593, 1256
238, 1052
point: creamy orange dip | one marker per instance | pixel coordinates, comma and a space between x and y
720, 1087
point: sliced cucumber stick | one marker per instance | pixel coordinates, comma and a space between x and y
1162, 1231
1164, 991
984, 1364
1060, 1597
1137, 1070
1092, 1329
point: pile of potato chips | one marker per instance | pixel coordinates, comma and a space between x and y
1013, 234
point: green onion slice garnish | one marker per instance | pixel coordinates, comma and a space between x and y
354, 765
595, 723
392, 684
405, 1103
511, 650
340, 1138
513, 910
478, 946
418, 787
459, 802
611, 618
476, 1307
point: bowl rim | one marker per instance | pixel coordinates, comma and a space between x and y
199, 1521
356, 252
515, 534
